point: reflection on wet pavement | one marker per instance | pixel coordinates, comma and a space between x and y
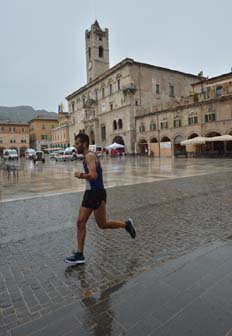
57, 177
125, 287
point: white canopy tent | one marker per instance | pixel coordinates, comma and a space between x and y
115, 145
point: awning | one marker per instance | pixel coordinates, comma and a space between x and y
194, 141
225, 137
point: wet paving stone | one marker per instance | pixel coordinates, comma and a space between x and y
173, 217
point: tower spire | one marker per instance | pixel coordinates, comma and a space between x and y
97, 51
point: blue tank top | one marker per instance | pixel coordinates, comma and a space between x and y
97, 184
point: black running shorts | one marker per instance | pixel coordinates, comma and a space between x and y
93, 199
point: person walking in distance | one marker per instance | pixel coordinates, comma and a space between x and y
94, 200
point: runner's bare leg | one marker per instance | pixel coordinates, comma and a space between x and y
100, 216
82, 219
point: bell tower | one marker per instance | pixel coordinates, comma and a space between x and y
97, 51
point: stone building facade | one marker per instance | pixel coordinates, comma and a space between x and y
40, 129
107, 106
60, 134
206, 112
14, 135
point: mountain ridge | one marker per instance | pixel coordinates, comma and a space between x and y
22, 113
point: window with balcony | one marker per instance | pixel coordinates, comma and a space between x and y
192, 120
218, 91
177, 123
210, 117
163, 124
142, 127
152, 126
206, 95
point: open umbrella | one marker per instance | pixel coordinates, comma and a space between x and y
115, 145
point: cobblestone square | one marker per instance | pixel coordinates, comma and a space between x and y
174, 216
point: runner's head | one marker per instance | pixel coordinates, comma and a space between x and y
82, 142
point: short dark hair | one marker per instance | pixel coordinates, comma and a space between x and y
83, 138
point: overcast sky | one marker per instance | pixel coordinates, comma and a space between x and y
42, 51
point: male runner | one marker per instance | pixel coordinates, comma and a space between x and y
94, 200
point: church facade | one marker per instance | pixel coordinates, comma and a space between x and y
107, 107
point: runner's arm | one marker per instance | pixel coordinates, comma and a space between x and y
91, 164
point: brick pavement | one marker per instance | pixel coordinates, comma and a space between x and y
173, 217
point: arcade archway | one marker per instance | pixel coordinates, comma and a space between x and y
193, 135
154, 147
118, 139
22, 151
214, 147
143, 147
165, 147
176, 143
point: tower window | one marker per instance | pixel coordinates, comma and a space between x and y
73, 106
89, 52
100, 38
219, 91
119, 84
171, 90
101, 52
103, 92
103, 132
111, 89
157, 89
119, 123
114, 125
